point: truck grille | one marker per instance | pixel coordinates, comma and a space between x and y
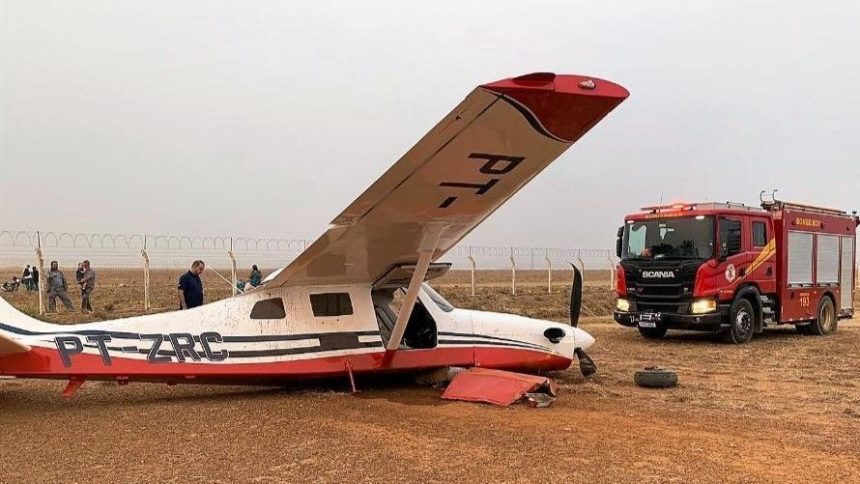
665, 296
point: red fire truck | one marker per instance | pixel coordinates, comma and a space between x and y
735, 269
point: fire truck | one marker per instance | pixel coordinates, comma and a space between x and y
735, 269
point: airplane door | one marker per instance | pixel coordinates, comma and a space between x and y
421, 330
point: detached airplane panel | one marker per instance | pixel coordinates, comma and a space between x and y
476, 158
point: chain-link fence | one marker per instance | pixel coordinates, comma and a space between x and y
142, 257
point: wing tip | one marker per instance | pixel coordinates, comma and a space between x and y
551, 98
560, 83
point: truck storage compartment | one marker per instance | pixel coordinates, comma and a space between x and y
827, 259
799, 258
847, 279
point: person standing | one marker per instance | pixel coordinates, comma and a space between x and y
256, 277
57, 288
191, 287
35, 273
88, 285
27, 278
79, 273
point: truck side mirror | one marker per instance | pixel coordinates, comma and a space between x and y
619, 238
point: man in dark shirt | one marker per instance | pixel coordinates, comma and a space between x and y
27, 278
191, 287
35, 272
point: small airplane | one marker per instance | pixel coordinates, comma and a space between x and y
357, 301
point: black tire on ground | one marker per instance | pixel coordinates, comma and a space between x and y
654, 333
826, 322
741, 321
802, 328
655, 378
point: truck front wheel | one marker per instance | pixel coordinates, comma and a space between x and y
741, 323
826, 321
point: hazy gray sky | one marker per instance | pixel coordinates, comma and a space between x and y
268, 118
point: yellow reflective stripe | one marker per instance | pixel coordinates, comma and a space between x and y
766, 253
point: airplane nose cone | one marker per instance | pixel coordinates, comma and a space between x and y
583, 340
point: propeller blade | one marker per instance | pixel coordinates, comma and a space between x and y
575, 296
586, 365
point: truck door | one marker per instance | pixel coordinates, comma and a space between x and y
733, 254
763, 264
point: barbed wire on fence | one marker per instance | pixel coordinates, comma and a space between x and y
46, 240
125, 247
155, 251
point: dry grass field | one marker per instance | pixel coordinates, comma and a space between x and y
784, 408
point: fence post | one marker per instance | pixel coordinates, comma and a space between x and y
611, 272
513, 273
233, 268
472, 262
548, 273
40, 262
146, 300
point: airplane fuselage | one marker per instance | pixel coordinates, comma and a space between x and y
281, 334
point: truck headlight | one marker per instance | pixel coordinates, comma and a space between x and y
622, 305
701, 306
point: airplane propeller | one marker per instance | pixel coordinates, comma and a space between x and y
586, 365
575, 296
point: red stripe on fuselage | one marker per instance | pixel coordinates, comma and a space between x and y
46, 363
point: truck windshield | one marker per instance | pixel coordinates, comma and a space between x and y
681, 238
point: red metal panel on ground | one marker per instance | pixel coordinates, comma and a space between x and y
495, 386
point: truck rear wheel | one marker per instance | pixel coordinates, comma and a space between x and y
826, 321
654, 333
741, 323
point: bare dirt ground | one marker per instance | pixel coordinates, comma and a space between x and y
784, 408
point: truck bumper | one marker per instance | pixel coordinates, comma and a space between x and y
699, 322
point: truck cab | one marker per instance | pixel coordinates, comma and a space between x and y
727, 267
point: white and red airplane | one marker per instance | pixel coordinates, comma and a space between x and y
355, 301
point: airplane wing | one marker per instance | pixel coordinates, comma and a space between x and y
492, 144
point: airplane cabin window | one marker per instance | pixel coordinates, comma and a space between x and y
269, 309
331, 304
